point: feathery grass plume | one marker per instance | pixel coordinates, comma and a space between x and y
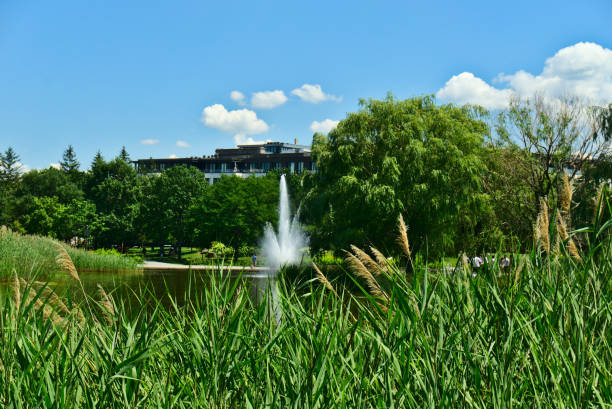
366, 260
466, 263
363, 272
16, 289
519, 268
49, 296
65, 262
402, 238
562, 229
598, 211
47, 311
542, 227
382, 261
321, 277
3, 230
565, 198
108, 309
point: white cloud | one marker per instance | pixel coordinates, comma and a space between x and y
182, 144
173, 156
583, 70
323, 126
23, 168
314, 94
242, 139
240, 121
238, 97
55, 166
465, 88
149, 141
268, 99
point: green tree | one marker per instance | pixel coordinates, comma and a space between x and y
117, 197
69, 163
10, 168
49, 182
10, 174
124, 155
410, 157
555, 136
178, 189
235, 210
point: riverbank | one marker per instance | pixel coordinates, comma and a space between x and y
35, 256
161, 266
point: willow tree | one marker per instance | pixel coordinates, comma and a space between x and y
411, 157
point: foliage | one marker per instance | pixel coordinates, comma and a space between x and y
555, 135
10, 168
246, 251
221, 250
411, 157
69, 163
168, 200
235, 210
117, 195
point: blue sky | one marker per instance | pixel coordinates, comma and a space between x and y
150, 75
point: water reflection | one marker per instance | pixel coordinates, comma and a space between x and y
152, 288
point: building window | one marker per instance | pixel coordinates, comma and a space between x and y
266, 166
277, 165
292, 167
300, 167
212, 167
223, 167
252, 167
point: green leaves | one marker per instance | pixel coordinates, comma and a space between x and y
393, 156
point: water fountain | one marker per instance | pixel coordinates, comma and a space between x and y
285, 247
280, 249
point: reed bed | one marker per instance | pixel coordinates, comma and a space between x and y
35, 256
441, 340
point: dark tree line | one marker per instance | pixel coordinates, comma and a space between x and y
111, 205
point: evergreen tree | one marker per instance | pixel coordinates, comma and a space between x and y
10, 168
124, 155
69, 163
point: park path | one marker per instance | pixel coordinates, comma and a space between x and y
158, 265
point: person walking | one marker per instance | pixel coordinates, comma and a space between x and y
254, 260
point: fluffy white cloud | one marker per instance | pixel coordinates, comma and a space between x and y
241, 122
173, 156
182, 144
314, 94
55, 165
242, 139
465, 88
323, 126
149, 141
238, 97
23, 168
583, 70
268, 99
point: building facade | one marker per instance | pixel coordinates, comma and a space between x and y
242, 161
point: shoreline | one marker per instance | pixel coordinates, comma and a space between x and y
161, 266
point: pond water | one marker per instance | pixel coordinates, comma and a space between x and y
151, 286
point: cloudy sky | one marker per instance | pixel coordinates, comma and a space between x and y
183, 78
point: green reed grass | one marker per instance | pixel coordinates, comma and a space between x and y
539, 339
35, 256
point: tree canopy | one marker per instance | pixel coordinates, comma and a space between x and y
411, 157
